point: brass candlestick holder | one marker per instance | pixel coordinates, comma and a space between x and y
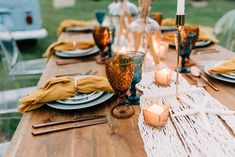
180, 20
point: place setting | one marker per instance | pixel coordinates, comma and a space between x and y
75, 103
83, 48
76, 53
221, 70
100, 43
81, 100
202, 39
69, 93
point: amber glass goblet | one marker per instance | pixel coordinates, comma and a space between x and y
119, 71
101, 36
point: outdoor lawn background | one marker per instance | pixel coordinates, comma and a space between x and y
84, 10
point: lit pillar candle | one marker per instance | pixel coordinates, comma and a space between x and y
163, 77
180, 7
156, 114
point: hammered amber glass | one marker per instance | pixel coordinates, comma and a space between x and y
119, 71
120, 74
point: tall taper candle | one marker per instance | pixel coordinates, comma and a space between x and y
180, 7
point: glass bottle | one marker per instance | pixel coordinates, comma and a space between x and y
145, 37
121, 14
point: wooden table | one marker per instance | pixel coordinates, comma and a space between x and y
117, 138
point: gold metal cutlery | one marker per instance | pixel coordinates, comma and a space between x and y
85, 121
197, 73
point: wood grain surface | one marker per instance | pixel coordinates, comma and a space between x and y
117, 138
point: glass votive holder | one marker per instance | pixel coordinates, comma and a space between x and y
163, 77
156, 115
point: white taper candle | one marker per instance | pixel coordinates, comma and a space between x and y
180, 7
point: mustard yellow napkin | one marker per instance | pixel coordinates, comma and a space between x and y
224, 68
71, 23
202, 36
68, 45
62, 88
168, 22
170, 37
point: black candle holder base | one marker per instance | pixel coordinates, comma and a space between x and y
184, 70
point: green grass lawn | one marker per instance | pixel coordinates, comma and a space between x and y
84, 10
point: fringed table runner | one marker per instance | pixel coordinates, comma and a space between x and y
194, 127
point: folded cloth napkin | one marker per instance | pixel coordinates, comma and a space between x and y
202, 36
168, 22
62, 88
71, 23
68, 45
224, 68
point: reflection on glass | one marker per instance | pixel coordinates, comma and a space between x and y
101, 36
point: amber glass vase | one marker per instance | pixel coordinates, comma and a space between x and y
119, 71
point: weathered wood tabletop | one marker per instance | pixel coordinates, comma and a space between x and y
117, 138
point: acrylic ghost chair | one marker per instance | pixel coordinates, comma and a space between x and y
15, 69
12, 58
225, 30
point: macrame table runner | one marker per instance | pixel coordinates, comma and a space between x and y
194, 128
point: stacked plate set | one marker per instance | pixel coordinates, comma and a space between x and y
223, 77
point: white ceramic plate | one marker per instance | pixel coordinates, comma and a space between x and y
79, 29
219, 77
231, 76
168, 28
95, 102
203, 43
72, 55
81, 98
78, 51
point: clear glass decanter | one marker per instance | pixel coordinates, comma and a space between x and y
145, 37
121, 13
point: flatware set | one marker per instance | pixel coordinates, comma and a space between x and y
84, 122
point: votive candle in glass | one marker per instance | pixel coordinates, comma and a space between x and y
163, 77
156, 114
